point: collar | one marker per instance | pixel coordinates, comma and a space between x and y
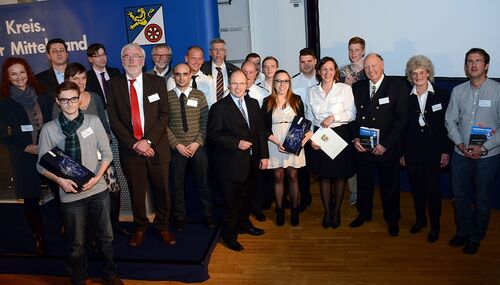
430, 89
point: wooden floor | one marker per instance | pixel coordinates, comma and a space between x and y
309, 254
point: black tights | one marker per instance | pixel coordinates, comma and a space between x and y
279, 185
332, 193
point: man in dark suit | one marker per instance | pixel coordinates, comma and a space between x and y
138, 113
218, 68
236, 130
99, 75
381, 104
57, 53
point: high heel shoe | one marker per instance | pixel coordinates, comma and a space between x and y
326, 221
280, 216
294, 218
335, 223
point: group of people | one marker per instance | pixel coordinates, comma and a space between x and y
134, 129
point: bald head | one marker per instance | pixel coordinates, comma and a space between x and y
374, 67
182, 76
238, 83
250, 70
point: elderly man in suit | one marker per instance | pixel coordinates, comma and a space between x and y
138, 113
162, 56
218, 68
236, 129
380, 104
99, 75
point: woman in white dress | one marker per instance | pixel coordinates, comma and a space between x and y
279, 109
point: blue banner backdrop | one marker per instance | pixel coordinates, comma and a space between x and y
25, 28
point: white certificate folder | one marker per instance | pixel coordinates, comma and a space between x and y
331, 143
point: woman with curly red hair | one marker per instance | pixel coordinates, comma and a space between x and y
23, 111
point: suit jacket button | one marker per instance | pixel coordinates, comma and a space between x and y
376, 107
362, 106
362, 118
373, 119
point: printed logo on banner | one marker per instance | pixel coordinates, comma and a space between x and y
145, 24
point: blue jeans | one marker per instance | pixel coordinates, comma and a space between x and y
75, 214
473, 182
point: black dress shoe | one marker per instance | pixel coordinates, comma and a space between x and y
458, 240
259, 215
471, 247
254, 231
433, 236
209, 221
393, 230
335, 222
234, 245
179, 225
417, 227
359, 221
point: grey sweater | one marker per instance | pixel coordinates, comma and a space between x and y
95, 140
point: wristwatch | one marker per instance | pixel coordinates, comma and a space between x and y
484, 151
149, 142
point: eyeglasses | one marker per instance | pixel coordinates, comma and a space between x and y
221, 50
133, 57
477, 61
67, 100
277, 81
167, 55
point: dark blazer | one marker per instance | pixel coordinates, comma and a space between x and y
226, 127
155, 117
206, 68
268, 115
12, 117
93, 82
389, 118
48, 81
427, 143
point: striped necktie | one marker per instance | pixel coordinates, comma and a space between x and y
220, 84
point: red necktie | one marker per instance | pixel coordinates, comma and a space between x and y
134, 108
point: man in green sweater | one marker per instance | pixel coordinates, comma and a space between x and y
187, 127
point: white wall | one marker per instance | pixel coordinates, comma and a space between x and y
444, 30
276, 28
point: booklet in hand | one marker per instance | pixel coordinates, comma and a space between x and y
62, 165
298, 129
369, 137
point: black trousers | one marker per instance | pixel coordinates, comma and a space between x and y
388, 176
238, 197
424, 180
199, 165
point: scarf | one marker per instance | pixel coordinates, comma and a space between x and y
71, 143
27, 98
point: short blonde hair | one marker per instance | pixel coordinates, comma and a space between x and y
419, 61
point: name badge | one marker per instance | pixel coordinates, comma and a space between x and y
192, 103
484, 103
26, 128
87, 132
383, 101
153, 98
287, 110
437, 107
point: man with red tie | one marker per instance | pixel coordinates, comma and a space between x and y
138, 113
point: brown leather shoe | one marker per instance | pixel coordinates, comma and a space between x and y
136, 239
167, 237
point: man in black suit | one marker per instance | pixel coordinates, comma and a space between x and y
236, 130
57, 53
381, 104
218, 68
99, 75
138, 113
